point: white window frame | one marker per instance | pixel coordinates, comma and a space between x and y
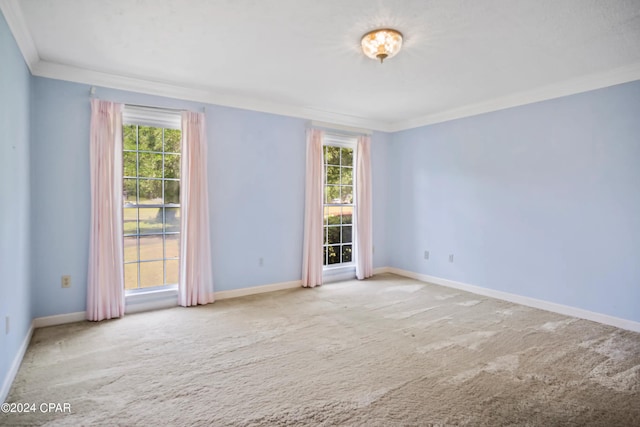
341, 271
160, 118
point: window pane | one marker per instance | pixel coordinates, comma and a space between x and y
172, 140
333, 235
172, 219
333, 175
172, 166
130, 217
151, 274
333, 215
347, 156
346, 234
347, 176
332, 193
131, 276
172, 192
129, 137
172, 272
172, 246
149, 138
346, 253
347, 215
333, 254
150, 192
151, 256
332, 156
130, 193
150, 220
346, 194
150, 165
151, 248
130, 249
129, 162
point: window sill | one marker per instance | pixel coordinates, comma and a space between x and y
336, 274
152, 299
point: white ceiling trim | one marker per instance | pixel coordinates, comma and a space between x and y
13, 15
204, 95
569, 87
208, 96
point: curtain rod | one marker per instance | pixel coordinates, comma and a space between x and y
177, 110
92, 94
343, 128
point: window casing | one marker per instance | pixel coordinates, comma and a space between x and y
339, 200
151, 193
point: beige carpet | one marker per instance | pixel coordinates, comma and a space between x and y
384, 352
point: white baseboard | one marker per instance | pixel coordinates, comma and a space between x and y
606, 319
59, 319
519, 299
170, 299
235, 293
13, 370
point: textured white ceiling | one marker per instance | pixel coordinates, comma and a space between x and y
302, 57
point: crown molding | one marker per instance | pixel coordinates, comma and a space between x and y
197, 94
557, 90
209, 96
13, 15
15, 19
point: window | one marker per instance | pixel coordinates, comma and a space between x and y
151, 181
338, 200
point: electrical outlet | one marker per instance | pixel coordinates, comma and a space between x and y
6, 325
451, 258
261, 261
426, 254
66, 281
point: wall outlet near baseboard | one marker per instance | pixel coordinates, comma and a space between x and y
426, 254
260, 261
451, 258
66, 281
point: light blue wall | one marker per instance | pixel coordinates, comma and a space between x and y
257, 165
541, 200
60, 195
15, 262
380, 179
256, 185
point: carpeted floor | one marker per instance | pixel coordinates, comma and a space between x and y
389, 351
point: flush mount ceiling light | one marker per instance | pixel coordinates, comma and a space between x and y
381, 44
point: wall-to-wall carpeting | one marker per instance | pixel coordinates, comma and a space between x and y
386, 351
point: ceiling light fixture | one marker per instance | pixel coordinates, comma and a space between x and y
381, 44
